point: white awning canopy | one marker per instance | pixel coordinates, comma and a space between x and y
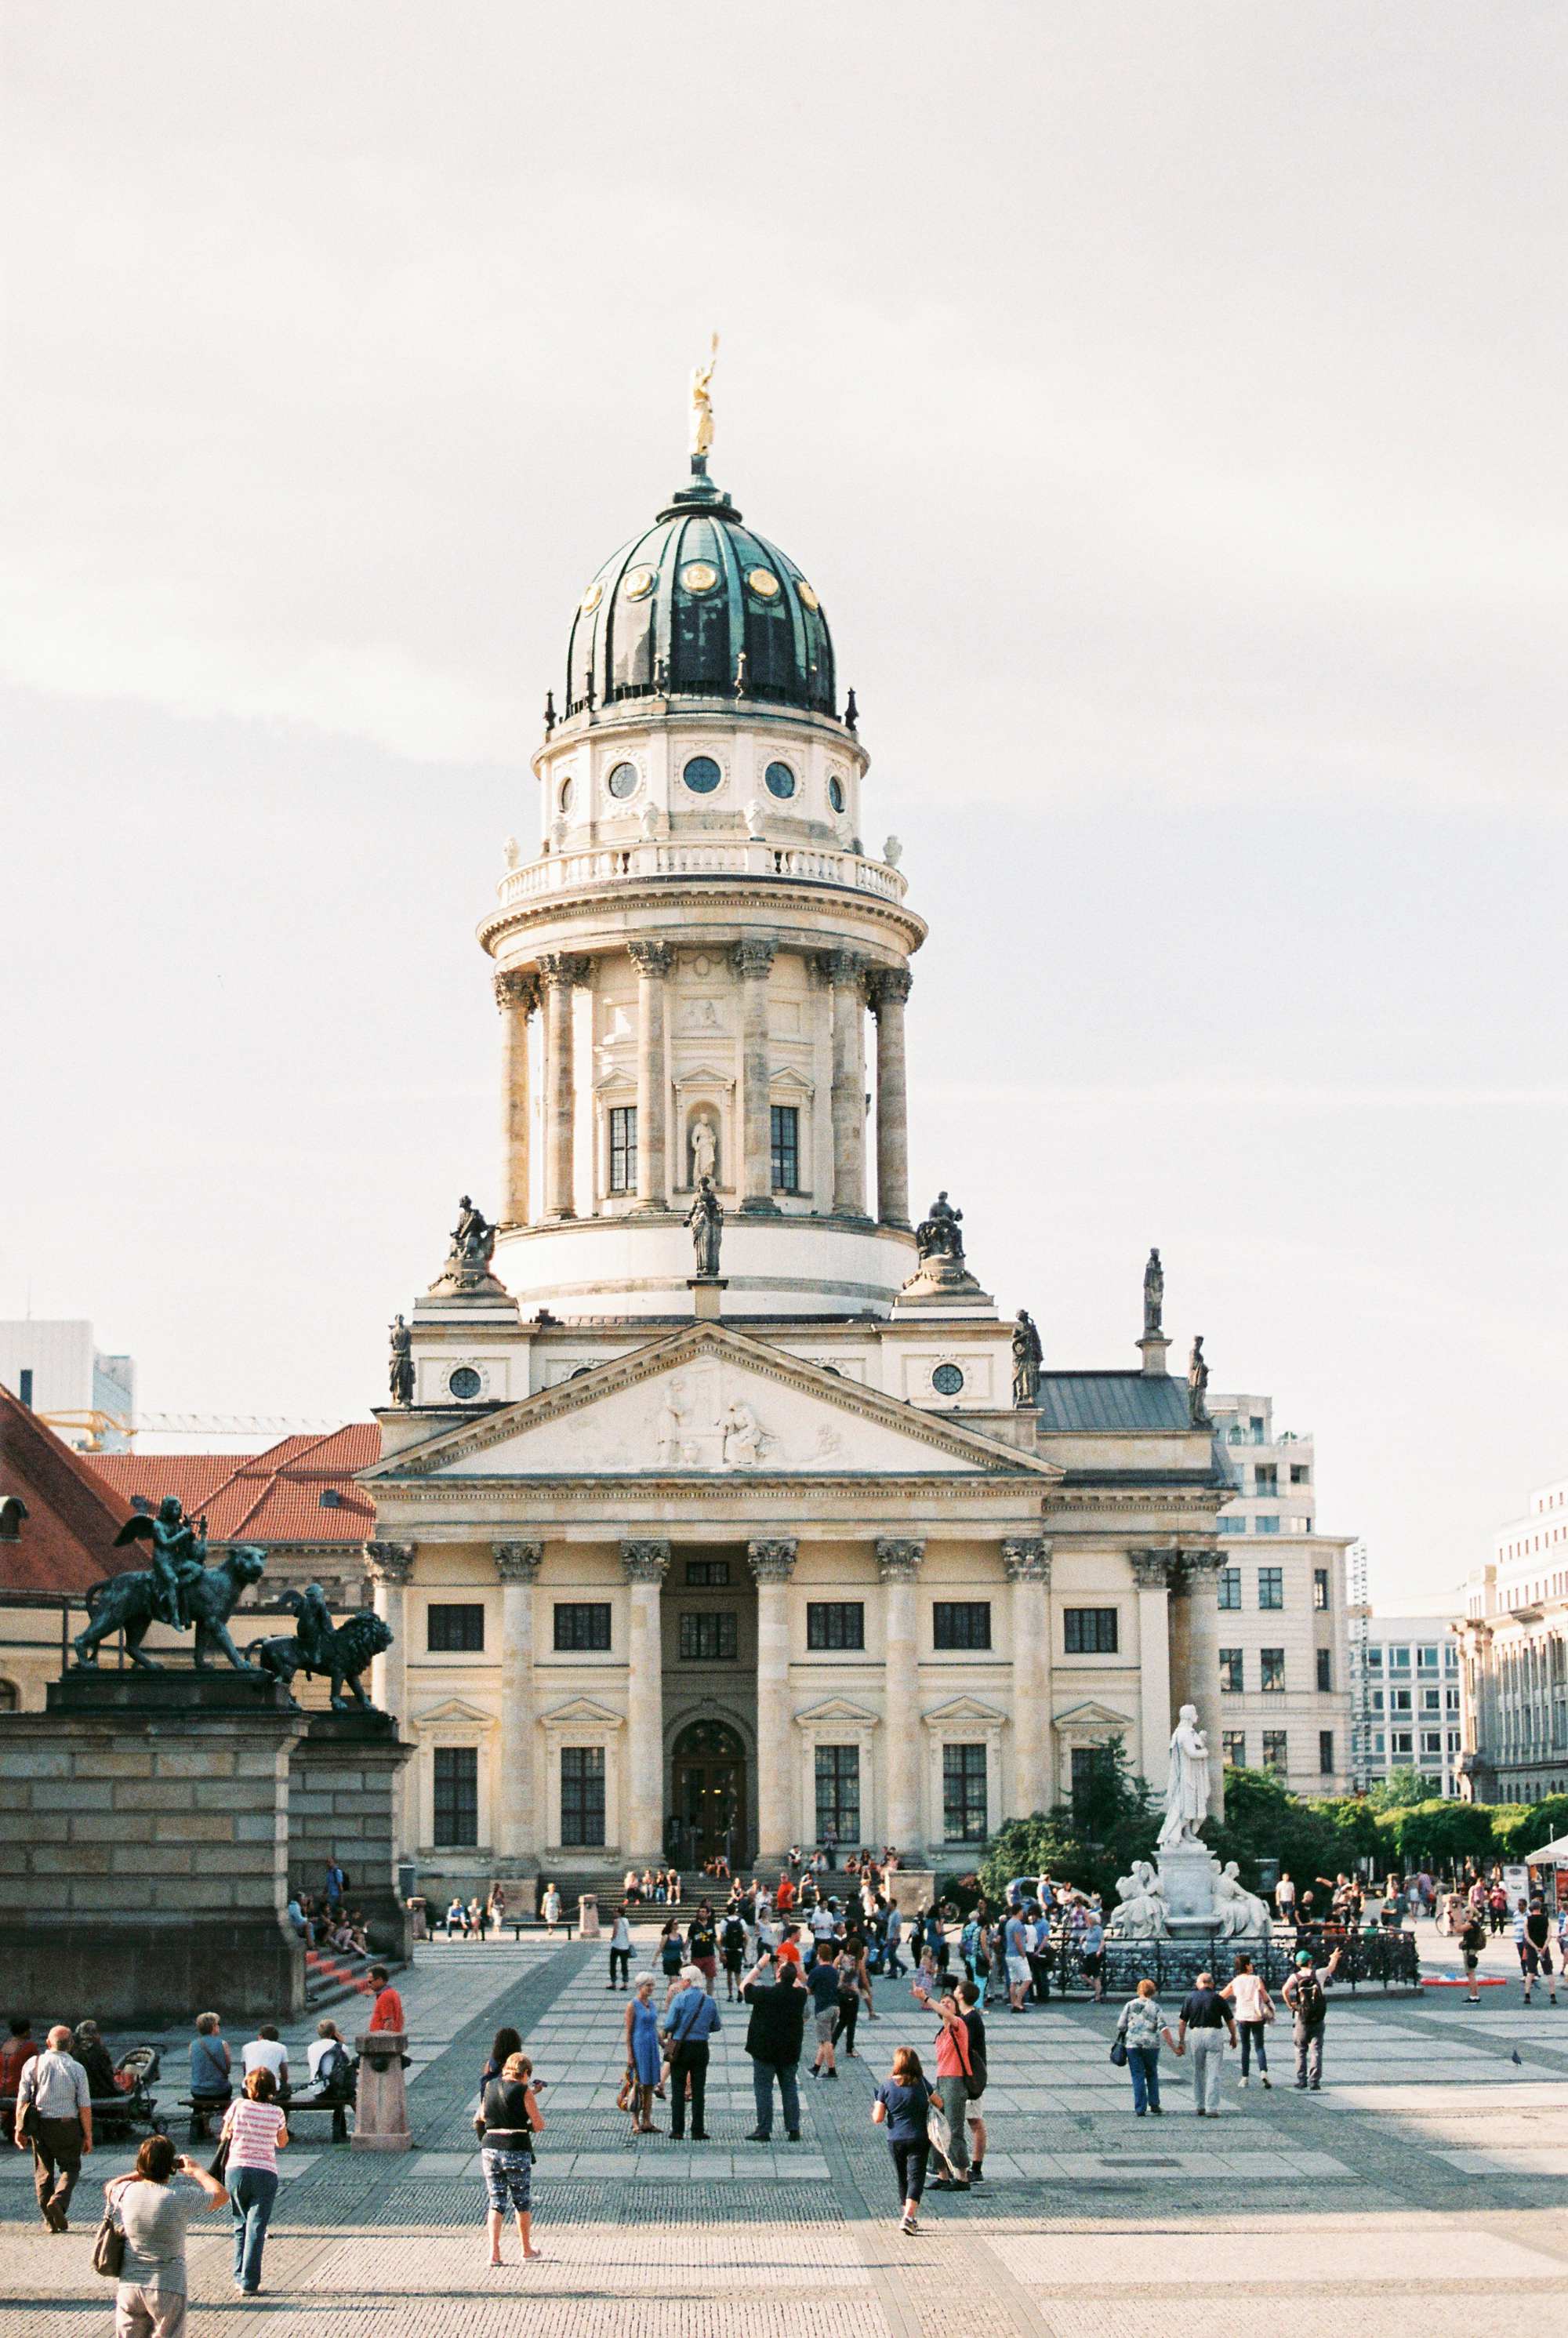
1550, 1855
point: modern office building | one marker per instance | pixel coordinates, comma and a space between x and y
1404, 1694
56, 1371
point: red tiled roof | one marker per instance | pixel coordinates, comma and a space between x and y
66, 1541
268, 1498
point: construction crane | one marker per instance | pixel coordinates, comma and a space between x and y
88, 1430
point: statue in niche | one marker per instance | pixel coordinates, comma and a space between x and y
742, 1437
1154, 1297
1027, 1358
706, 1220
937, 1234
705, 1146
400, 1369
1198, 1386
1187, 1781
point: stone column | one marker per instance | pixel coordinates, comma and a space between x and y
845, 972
772, 1564
646, 1565
517, 1565
1201, 1568
1152, 1574
389, 1566
516, 995
898, 1565
559, 975
889, 988
752, 959
652, 961
1026, 1562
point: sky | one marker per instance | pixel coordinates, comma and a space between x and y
1166, 406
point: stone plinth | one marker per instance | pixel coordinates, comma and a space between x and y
342, 1781
142, 1863
911, 1889
381, 2110
588, 1916
1187, 1881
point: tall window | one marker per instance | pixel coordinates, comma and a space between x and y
1271, 1664
582, 1796
1320, 1589
961, 1623
838, 1793
623, 1148
1089, 1631
1271, 1586
1233, 1748
1229, 1586
963, 1793
456, 1797
582, 1623
1325, 1753
1325, 1668
709, 1639
453, 1630
1230, 1670
784, 1120
1092, 1767
835, 1624
1274, 1754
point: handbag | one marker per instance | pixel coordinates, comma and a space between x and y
1118, 2050
109, 2247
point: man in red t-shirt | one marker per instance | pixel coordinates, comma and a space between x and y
15, 2054
388, 2008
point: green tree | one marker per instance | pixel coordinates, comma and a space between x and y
1264, 1820
1401, 1789
1520, 1828
1435, 1833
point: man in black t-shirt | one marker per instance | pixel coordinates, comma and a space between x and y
1535, 1948
975, 2023
1206, 2018
822, 1986
777, 2001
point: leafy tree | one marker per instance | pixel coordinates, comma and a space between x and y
1355, 1825
1113, 1822
1264, 1820
1519, 1828
1400, 1790
1435, 1833
1043, 1842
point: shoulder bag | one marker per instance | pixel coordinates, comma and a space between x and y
109, 2247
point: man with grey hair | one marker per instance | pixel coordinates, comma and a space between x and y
1201, 2031
54, 2113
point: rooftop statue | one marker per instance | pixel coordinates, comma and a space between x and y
1198, 1386
206, 1595
937, 1234
343, 1652
468, 1267
1154, 1297
1027, 1358
400, 1369
703, 402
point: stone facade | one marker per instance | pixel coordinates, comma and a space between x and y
1513, 1658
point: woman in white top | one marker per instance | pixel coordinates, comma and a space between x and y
550, 1908
1254, 2009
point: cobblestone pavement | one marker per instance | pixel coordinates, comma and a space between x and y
1432, 2169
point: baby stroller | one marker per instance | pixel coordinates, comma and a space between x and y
134, 2111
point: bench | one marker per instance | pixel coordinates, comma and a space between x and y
137, 2107
295, 2106
518, 1925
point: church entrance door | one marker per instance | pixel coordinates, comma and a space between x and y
710, 1783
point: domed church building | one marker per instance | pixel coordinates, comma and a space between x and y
719, 1506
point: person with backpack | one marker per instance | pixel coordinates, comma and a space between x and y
1306, 1993
1472, 1942
954, 2070
1534, 1948
732, 1944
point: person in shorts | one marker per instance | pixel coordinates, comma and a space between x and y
1535, 1949
822, 1983
508, 2121
1015, 1947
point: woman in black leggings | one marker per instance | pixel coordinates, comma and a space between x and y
902, 2104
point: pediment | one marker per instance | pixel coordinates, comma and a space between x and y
836, 1709
581, 1713
964, 1709
1093, 1715
454, 1711
706, 1401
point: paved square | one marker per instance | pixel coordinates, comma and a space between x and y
1431, 2172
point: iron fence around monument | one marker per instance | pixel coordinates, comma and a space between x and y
1385, 1960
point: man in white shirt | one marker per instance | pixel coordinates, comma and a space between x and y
265, 2053
823, 1920
53, 2089
1285, 1900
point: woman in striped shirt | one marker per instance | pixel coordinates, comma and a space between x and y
255, 2133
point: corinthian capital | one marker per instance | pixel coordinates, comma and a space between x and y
645, 1562
889, 986
771, 1562
391, 1562
1152, 1569
753, 956
518, 1562
840, 967
1026, 1558
898, 1562
559, 970
651, 958
517, 990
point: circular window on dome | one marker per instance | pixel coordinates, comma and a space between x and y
780, 780
465, 1384
809, 599
622, 781
699, 577
638, 584
948, 1379
836, 793
763, 581
702, 775
592, 598
568, 793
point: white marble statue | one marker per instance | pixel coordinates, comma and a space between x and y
1142, 1913
1242, 1912
670, 1424
704, 1150
754, 819
1187, 1784
742, 1437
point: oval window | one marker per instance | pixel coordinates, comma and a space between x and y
465, 1383
592, 598
699, 577
702, 775
808, 597
780, 780
638, 584
622, 781
762, 582
836, 794
568, 792
948, 1379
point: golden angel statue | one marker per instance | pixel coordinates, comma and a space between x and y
702, 403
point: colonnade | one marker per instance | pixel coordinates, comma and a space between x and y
849, 984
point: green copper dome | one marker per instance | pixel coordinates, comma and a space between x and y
700, 606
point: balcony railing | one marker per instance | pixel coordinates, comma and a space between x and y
556, 873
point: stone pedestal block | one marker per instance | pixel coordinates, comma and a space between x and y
342, 1785
144, 1860
911, 1889
588, 1916
381, 2112
1187, 1881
